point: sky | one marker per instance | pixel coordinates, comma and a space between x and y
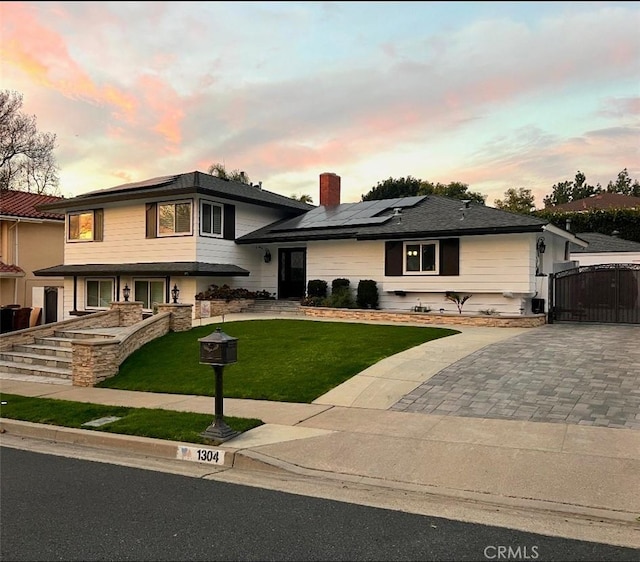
495, 95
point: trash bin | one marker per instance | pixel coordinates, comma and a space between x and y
21, 318
6, 319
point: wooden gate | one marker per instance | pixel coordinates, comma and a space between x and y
607, 293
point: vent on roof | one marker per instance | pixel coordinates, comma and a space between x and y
464, 207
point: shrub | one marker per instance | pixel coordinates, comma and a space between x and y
317, 288
230, 293
367, 295
458, 299
341, 298
340, 283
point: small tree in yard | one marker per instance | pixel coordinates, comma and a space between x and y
457, 298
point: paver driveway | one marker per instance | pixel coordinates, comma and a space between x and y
587, 374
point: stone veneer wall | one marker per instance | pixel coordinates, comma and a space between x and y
180, 316
94, 360
427, 318
218, 307
103, 319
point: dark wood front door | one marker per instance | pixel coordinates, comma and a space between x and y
292, 273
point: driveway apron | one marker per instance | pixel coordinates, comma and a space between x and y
586, 374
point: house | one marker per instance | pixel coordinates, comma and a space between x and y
600, 201
603, 249
193, 230
30, 239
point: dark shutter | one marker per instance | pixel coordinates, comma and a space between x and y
151, 212
393, 258
98, 225
229, 222
450, 256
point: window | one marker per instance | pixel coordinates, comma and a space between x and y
210, 219
99, 293
148, 291
174, 218
421, 258
85, 226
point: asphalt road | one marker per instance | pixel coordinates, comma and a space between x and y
60, 508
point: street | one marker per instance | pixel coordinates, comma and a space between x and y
59, 508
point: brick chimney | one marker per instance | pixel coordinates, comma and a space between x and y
329, 189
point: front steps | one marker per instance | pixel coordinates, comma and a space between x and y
47, 359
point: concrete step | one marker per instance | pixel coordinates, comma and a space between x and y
13, 368
40, 349
36, 359
52, 341
83, 334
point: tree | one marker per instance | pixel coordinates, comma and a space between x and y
624, 185
26, 155
519, 200
220, 171
566, 191
390, 188
303, 198
455, 190
409, 187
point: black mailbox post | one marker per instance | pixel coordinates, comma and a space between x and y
218, 349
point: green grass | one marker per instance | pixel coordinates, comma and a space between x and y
280, 360
144, 422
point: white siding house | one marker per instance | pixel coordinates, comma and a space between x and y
193, 230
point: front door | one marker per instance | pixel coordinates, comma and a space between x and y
291, 273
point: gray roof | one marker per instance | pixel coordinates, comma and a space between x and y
433, 216
186, 268
599, 243
182, 185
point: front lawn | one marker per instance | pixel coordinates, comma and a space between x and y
280, 360
143, 422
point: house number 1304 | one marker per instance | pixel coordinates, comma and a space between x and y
207, 455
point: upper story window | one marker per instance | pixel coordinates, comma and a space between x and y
421, 258
174, 218
210, 219
85, 226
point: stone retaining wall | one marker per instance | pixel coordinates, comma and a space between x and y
94, 360
427, 318
218, 307
103, 319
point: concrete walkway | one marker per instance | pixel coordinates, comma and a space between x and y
424, 420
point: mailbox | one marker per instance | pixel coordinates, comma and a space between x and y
218, 348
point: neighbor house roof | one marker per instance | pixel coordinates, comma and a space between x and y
7, 270
409, 217
600, 201
190, 269
22, 205
601, 243
181, 185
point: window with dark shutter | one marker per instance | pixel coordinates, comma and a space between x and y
450, 256
98, 225
229, 223
151, 219
393, 258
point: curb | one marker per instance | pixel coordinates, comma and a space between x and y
246, 459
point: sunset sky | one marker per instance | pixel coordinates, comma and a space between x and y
492, 94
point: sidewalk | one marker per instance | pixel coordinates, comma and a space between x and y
591, 474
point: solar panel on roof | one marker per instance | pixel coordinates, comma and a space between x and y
349, 214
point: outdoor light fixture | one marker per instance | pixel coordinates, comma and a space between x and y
175, 293
126, 292
541, 246
267, 256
